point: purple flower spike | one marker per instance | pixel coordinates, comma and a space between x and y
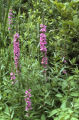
16, 50
10, 19
28, 100
43, 43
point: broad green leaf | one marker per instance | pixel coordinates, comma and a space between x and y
53, 112
43, 117
75, 94
7, 111
73, 118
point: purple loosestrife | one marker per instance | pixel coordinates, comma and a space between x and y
43, 43
10, 19
16, 50
12, 75
64, 72
64, 61
28, 100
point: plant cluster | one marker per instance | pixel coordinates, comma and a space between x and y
39, 59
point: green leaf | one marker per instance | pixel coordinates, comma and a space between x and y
70, 78
63, 106
7, 111
59, 95
74, 94
16, 119
0, 108
67, 117
43, 117
12, 115
53, 112
73, 118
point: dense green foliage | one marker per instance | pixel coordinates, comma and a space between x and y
58, 97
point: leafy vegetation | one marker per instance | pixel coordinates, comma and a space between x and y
54, 95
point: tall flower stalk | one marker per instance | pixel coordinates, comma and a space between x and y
28, 101
43, 48
16, 51
10, 16
10, 19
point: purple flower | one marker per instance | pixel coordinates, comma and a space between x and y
29, 90
44, 61
12, 77
42, 26
28, 100
9, 28
10, 13
16, 36
29, 95
26, 92
64, 72
43, 43
43, 35
10, 19
43, 30
11, 73
16, 49
26, 109
65, 61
